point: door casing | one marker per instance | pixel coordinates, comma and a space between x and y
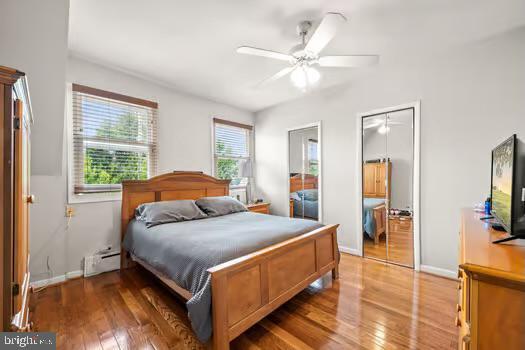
416, 106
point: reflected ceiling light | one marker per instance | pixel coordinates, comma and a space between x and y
383, 129
305, 76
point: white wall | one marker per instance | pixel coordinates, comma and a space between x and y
184, 144
33, 38
472, 98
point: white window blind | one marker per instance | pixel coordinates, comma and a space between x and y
232, 151
114, 139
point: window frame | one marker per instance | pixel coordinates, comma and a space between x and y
115, 193
312, 161
215, 157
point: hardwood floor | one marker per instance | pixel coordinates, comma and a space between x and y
400, 248
372, 306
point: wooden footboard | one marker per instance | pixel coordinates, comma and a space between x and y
379, 213
246, 289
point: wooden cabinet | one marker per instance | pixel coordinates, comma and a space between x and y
375, 180
491, 288
400, 240
16, 117
262, 208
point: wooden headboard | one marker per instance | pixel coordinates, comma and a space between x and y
297, 183
171, 186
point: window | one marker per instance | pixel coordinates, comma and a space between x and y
114, 138
313, 160
232, 152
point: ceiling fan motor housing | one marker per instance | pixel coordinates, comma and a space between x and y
303, 27
298, 51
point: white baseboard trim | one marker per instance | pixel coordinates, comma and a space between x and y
74, 274
348, 250
422, 268
439, 271
57, 279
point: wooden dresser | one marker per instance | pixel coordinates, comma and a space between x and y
400, 240
491, 308
375, 180
16, 119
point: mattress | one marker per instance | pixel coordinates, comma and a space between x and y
184, 251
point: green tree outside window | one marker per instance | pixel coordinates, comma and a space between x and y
103, 166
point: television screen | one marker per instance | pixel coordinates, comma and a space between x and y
502, 177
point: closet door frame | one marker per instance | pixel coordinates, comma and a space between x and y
416, 106
320, 160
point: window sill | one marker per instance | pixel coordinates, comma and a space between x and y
94, 197
238, 187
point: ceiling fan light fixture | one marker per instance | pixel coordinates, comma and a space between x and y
383, 129
305, 76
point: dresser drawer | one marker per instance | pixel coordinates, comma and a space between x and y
262, 208
400, 224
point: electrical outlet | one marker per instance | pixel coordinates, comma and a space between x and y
70, 211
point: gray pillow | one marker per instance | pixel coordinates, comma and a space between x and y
157, 213
308, 195
217, 206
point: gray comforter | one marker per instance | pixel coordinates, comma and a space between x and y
183, 251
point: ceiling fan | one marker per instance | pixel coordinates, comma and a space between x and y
381, 124
304, 57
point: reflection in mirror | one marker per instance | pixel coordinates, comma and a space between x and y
400, 146
387, 187
375, 187
304, 172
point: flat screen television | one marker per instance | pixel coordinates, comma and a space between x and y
507, 190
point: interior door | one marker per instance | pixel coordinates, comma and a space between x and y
375, 201
400, 146
304, 167
388, 147
21, 216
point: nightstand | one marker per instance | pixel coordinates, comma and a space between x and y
262, 208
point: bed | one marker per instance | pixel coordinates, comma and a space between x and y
304, 196
374, 218
305, 203
242, 290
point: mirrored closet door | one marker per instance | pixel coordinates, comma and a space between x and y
388, 164
304, 166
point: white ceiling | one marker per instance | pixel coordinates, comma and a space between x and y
190, 45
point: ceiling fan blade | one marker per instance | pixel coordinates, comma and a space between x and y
368, 126
325, 32
276, 76
247, 50
348, 61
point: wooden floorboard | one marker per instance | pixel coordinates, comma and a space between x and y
372, 306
